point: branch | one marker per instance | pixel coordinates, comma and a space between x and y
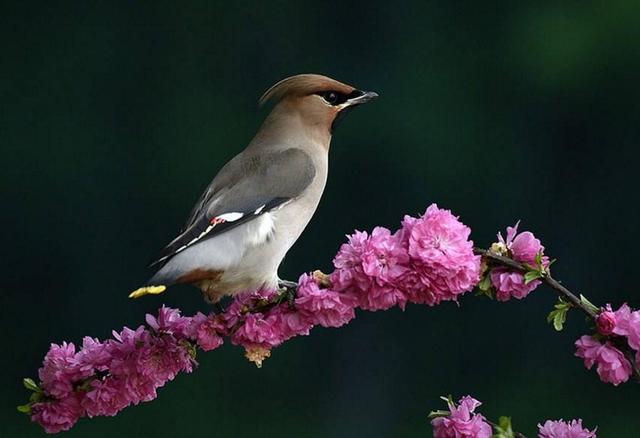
548, 279
496, 259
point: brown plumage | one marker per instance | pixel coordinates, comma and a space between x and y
256, 207
303, 85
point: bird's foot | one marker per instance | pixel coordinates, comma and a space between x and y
287, 284
288, 291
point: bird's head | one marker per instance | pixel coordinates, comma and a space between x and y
321, 102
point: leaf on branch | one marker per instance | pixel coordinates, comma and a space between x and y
25, 409
539, 258
559, 315
530, 276
438, 413
588, 303
31, 385
503, 428
485, 287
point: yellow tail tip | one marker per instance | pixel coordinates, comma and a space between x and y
147, 290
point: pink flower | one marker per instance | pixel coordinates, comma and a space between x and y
162, 359
209, 332
441, 256
612, 366
57, 416
509, 284
628, 325
93, 356
288, 323
106, 397
348, 263
323, 306
370, 267
562, 429
524, 247
170, 321
60, 370
606, 321
256, 331
462, 421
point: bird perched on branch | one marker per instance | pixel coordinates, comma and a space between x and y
259, 203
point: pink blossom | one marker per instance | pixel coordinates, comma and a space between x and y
612, 366
628, 325
323, 306
93, 356
162, 358
106, 397
57, 416
441, 255
170, 321
348, 263
256, 331
288, 323
60, 370
370, 267
509, 284
606, 321
564, 429
209, 332
524, 247
462, 421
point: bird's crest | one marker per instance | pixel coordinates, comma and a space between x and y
303, 85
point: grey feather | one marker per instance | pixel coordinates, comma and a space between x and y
251, 184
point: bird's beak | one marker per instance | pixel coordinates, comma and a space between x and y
359, 97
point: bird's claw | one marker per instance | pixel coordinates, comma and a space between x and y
287, 284
288, 290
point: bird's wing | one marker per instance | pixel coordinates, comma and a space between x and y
247, 187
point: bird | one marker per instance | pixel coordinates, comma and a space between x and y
259, 203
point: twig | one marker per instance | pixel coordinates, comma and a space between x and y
494, 258
548, 279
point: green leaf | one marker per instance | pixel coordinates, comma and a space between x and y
485, 288
588, 303
559, 316
530, 276
503, 428
539, 258
485, 283
30, 385
25, 409
439, 413
448, 399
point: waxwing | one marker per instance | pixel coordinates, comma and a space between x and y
259, 203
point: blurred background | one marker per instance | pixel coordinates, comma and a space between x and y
114, 118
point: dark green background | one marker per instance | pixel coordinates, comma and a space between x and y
114, 118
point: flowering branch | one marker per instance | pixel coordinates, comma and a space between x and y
462, 421
492, 257
428, 260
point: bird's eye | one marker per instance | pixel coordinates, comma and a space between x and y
331, 97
